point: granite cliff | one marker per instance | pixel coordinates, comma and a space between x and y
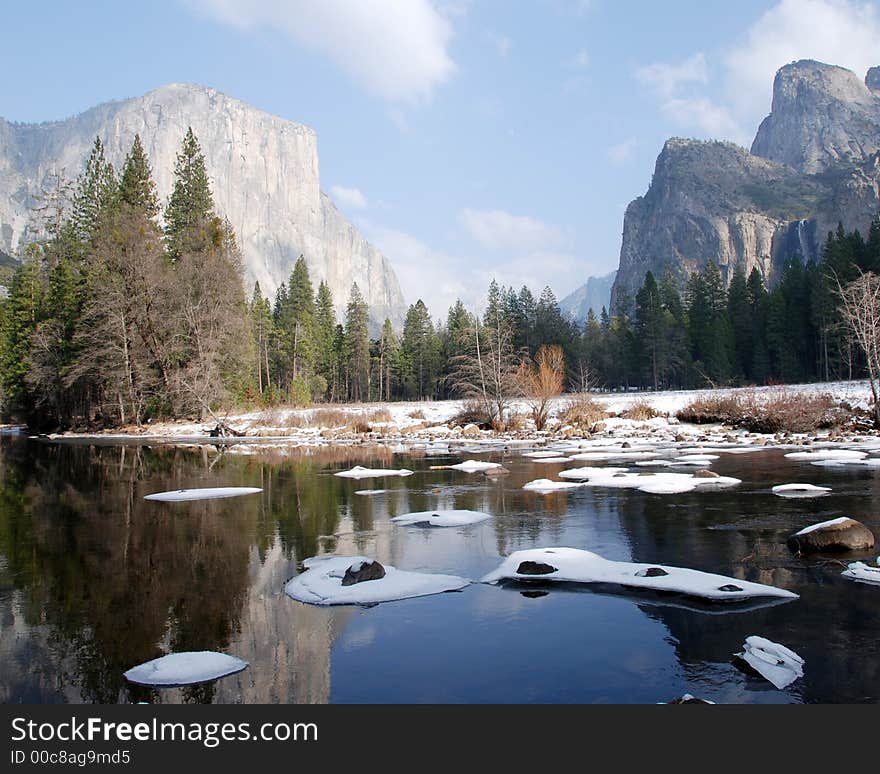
815, 162
263, 170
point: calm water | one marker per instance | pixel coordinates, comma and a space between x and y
93, 580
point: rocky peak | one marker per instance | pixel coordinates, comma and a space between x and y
872, 80
822, 116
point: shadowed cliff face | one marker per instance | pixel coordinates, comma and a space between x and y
264, 175
815, 162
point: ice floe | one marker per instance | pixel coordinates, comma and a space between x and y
772, 661
545, 486
321, 583
359, 472
800, 490
185, 668
210, 493
653, 483
576, 566
837, 455
370, 492
862, 572
442, 518
698, 459
538, 455
474, 466
583, 474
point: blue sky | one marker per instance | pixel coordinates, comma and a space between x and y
468, 139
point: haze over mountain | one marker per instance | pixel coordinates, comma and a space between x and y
264, 176
594, 294
815, 162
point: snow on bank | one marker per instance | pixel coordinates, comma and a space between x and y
575, 566
321, 583
185, 669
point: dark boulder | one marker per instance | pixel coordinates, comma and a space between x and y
535, 568
843, 534
361, 572
653, 572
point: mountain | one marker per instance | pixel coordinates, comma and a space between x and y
594, 294
814, 163
263, 171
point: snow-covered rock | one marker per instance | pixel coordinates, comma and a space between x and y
321, 583
442, 518
359, 472
209, 493
800, 490
834, 455
577, 566
841, 534
772, 661
185, 668
862, 572
370, 492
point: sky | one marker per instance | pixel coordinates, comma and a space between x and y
467, 139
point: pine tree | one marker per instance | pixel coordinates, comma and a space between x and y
388, 353
740, 313
357, 346
191, 205
95, 191
651, 330
136, 186
326, 358
418, 352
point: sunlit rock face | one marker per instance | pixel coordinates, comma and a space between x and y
263, 171
815, 162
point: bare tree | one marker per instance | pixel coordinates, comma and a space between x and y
861, 312
542, 381
487, 374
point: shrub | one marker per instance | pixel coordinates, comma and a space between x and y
473, 412
640, 411
712, 410
542, 382
583, 411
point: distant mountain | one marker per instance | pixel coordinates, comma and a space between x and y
815, 162
263, 171
595, 294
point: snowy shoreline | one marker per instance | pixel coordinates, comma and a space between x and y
421, 424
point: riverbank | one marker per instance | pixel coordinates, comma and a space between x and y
414, 425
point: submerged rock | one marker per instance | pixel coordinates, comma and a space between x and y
689, 699
843, 534
360, 572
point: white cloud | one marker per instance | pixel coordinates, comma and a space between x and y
396, 49
502, 43
432, 275
623, 151
840, 32
497, 230
350, 198
667, 79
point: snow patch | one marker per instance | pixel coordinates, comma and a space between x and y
321, 583
185, 668
545, 486
210, 493
772, 661
800, 490
577, 566
474, 466
821, 525
862, 572
442, 518
359, 472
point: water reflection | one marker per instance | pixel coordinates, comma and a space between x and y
94, 579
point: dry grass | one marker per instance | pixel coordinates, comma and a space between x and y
417, 414
640, 411
583, 411
782, 410
473, 412
516, 422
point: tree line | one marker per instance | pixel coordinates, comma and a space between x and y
118, 316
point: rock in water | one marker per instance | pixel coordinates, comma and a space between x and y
689, 699
263, 172
843, 534
535, 568
705, 474
361, 572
